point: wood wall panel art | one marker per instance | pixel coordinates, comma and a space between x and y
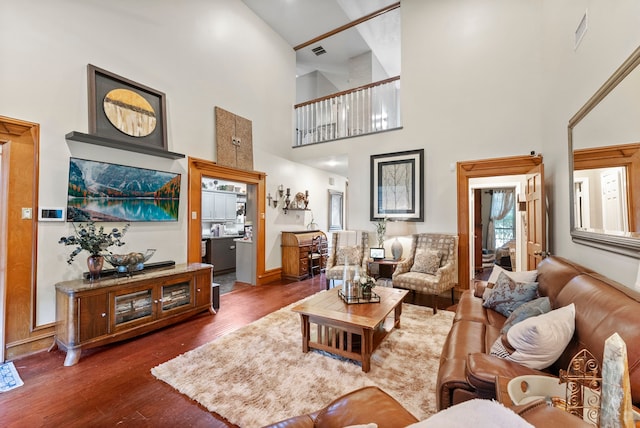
234, 141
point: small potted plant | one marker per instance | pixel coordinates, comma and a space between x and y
95, 241
366, 284
381, 228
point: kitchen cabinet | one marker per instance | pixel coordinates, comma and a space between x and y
218, 206
221, 253
95, 313
207, 206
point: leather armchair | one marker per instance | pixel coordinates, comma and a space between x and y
416, 274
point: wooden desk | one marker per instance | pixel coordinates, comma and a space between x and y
296, 248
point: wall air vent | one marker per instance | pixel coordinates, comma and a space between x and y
318, 50
580, 31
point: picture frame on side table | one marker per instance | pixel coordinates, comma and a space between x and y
335, 210
124, 110
397, 186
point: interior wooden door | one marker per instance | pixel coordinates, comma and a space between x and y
536, 217
477, 229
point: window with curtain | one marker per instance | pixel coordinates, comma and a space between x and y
501, 221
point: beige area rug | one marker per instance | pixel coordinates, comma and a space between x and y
258, 374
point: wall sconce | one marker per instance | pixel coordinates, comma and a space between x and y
287, 200
277, 198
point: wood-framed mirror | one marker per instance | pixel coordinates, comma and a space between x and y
604, 164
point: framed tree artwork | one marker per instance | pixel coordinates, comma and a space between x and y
397, 186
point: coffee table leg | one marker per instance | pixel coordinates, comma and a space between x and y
397, 314
306, 332
367, 349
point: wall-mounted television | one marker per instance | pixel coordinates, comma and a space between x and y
101, 191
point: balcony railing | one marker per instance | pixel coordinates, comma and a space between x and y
364, 110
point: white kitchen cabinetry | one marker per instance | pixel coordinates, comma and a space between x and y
207, 205
218, 206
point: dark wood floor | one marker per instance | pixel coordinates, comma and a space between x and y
113, 385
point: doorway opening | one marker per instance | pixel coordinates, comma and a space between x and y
226, 220
497, 225
534, 208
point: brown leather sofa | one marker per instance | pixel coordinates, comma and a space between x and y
371, 404
603, 307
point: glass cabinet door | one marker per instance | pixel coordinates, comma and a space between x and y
133, 306
176, 296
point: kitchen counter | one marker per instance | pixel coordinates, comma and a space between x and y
221, 236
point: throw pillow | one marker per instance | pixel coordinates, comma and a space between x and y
426, 261
507, 295
521, 276
539, 341
527, 310
348, 255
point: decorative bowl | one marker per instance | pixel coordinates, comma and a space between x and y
524, 389
130, 262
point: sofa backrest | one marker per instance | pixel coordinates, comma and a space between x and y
603, 307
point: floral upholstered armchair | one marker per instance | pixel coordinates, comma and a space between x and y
431, 267
349, 248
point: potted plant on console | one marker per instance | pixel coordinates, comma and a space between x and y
95, 241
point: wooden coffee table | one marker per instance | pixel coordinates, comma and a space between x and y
352, 331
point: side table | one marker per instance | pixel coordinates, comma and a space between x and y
382, 269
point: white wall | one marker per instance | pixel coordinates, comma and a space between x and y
493, 78
480, 79
470, 90
571, 77
200, 53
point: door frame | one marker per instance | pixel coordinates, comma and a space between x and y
199, 168
19, 331
466, 170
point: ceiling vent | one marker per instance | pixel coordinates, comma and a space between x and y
318, 50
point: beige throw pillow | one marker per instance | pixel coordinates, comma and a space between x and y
426, 261
348, 255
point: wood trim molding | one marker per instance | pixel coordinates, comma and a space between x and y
514, 165
624, 155
20, 189
348, 25
199, 168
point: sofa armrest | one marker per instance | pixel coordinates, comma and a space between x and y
482, 370
539, 414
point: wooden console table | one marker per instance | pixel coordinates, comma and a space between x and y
94, 313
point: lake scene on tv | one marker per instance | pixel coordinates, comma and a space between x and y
101, 191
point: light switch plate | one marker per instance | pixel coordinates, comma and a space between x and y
27, 213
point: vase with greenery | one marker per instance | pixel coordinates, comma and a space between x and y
95, 240
381, 229
366, 284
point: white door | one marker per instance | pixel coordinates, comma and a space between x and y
581, 203
612, 202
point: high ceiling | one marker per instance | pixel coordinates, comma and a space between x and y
298, 21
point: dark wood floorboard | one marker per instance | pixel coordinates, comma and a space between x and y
113, 386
